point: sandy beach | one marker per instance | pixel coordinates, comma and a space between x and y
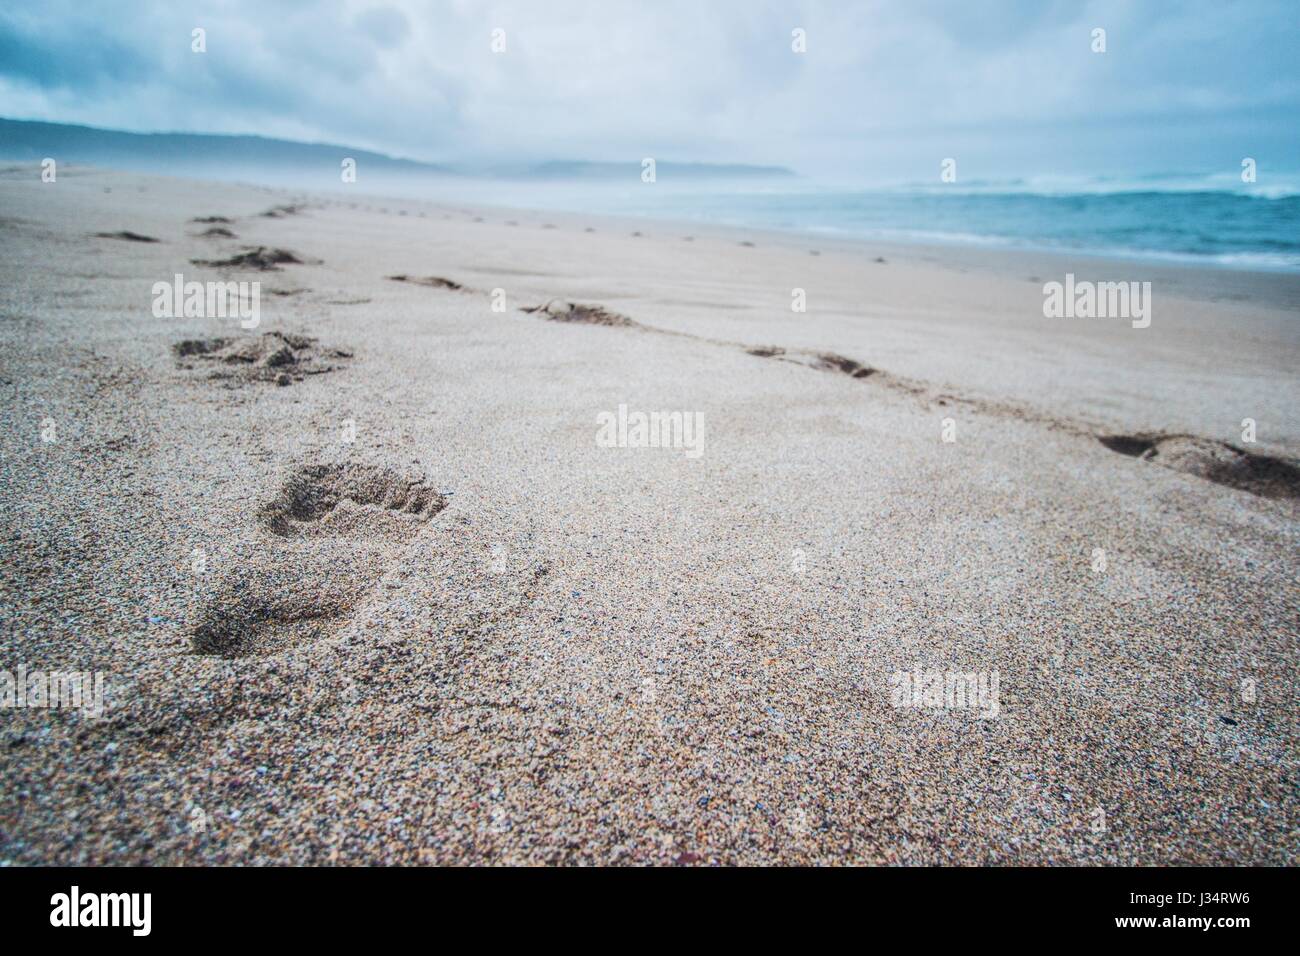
365, 585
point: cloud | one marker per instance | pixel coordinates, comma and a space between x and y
387, 26
86, 60
882, 86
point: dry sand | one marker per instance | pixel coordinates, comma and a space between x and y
474, 635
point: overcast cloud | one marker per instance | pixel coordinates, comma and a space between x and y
884, 87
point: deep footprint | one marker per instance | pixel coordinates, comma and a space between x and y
558, 311
279, 212
1215, 461
822, 361
268, 613
828, 361
277, 357
262, 258
334, 530
125, 234
434, 282
327, 499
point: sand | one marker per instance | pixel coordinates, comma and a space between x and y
369, 589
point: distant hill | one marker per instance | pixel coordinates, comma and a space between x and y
259, 158
182, 152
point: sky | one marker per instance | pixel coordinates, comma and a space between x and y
884, 90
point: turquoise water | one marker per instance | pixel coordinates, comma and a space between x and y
1208, 220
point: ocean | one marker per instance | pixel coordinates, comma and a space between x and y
1209, 220
1204, 218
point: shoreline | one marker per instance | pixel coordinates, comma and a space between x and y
1172, 267
1272, 287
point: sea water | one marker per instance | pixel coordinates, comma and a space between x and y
1198, 219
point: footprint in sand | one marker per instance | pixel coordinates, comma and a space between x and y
278, 357
433, 282
1219, 462
126, 235
1214, 461
328, 538
822, 361
290, 209
560, 311
262, 258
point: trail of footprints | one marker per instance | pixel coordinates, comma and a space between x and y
341, 526
281, 358
334, 528
1219, 462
